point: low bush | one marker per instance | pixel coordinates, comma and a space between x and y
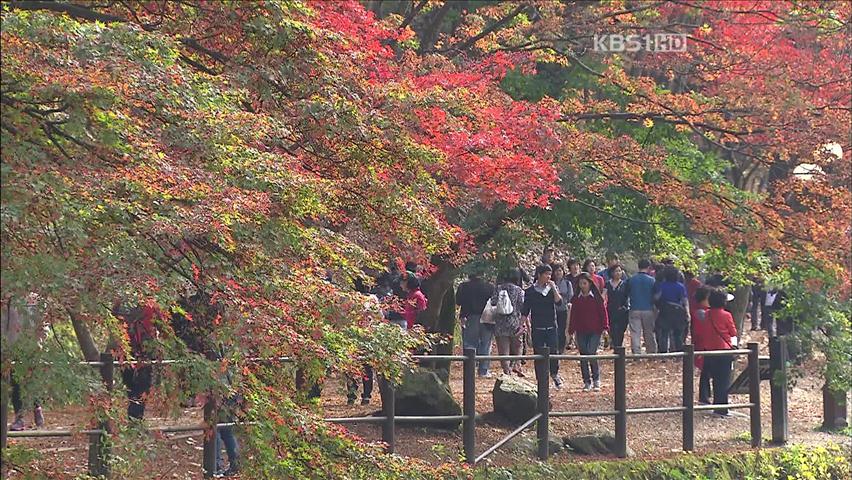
830, 462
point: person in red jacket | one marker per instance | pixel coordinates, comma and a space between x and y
715, 330
415, 301
589, 320
700, 306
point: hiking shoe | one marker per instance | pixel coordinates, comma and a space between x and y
39, 417
597, 386
485, 375
557, 381
587, 387
365, 401
231, 471
703, 402
18, 424
723, 414
350, 401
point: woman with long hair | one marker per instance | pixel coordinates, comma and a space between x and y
588, 320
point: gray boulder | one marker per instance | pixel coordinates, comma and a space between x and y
423, 393
528, 443
515, 399
594, 444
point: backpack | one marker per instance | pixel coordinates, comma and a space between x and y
504, 303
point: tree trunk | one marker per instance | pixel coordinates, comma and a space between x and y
738, 308
435, 288
84, 337
440, 315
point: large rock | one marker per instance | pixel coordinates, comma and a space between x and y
515, 399
528, 443
595, 444
423, 393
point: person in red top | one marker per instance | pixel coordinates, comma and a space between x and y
415, 301
715, 330
589, 320
699, 307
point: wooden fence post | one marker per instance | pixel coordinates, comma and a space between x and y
778, 388
542, 372
99, 450
208, 460
4, 409
688, 400
469, 406
754, 393
388, 392
621, 402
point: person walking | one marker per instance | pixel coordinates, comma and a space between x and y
673, 318
508, 329
21, 325
588, 320
618, 304
718, 332
138, 377
472, 296
540, 301
641, 317
701, 330
566, 291
372, 305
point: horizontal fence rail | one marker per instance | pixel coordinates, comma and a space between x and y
388, 419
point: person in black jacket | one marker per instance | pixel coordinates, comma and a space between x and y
617, 304
540, 301
472, 296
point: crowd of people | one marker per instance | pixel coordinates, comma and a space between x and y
574, 304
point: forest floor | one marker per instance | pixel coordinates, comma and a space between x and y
649, 384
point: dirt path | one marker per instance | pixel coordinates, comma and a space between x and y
649, 383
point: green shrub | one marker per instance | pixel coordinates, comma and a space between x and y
830, 462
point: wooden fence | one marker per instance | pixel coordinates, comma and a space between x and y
98, 451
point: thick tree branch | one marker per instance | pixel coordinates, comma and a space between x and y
457, 49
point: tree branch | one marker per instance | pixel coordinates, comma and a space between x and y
457, 49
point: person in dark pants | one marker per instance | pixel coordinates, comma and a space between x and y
673, 319
352, 387
718, 333
472, 296
21, 325
589, 320
138, 377
566, 291
540, 301
758, 296
617, 305
700, 333
773, 301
